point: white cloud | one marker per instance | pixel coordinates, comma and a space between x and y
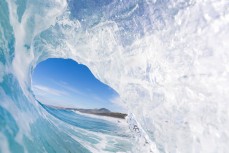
44, 90
69, 88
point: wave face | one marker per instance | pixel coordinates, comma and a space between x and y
167, 59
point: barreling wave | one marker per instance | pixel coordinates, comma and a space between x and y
167, 59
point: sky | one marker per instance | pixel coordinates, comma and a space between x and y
65, 83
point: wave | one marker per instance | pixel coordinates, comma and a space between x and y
167, 59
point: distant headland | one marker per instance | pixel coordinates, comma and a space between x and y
100, 111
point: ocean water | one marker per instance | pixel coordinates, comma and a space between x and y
167, 59
112, 133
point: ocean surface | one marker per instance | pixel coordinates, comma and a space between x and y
167, 59
112, 133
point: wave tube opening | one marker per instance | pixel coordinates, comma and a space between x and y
65, 83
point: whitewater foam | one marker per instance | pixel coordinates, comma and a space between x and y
168, 60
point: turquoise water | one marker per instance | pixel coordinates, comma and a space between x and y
88, 123
167, 59
53, 130
25, 125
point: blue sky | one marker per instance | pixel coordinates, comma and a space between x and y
63, 82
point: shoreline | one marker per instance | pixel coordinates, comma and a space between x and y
120, 121
98, 113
